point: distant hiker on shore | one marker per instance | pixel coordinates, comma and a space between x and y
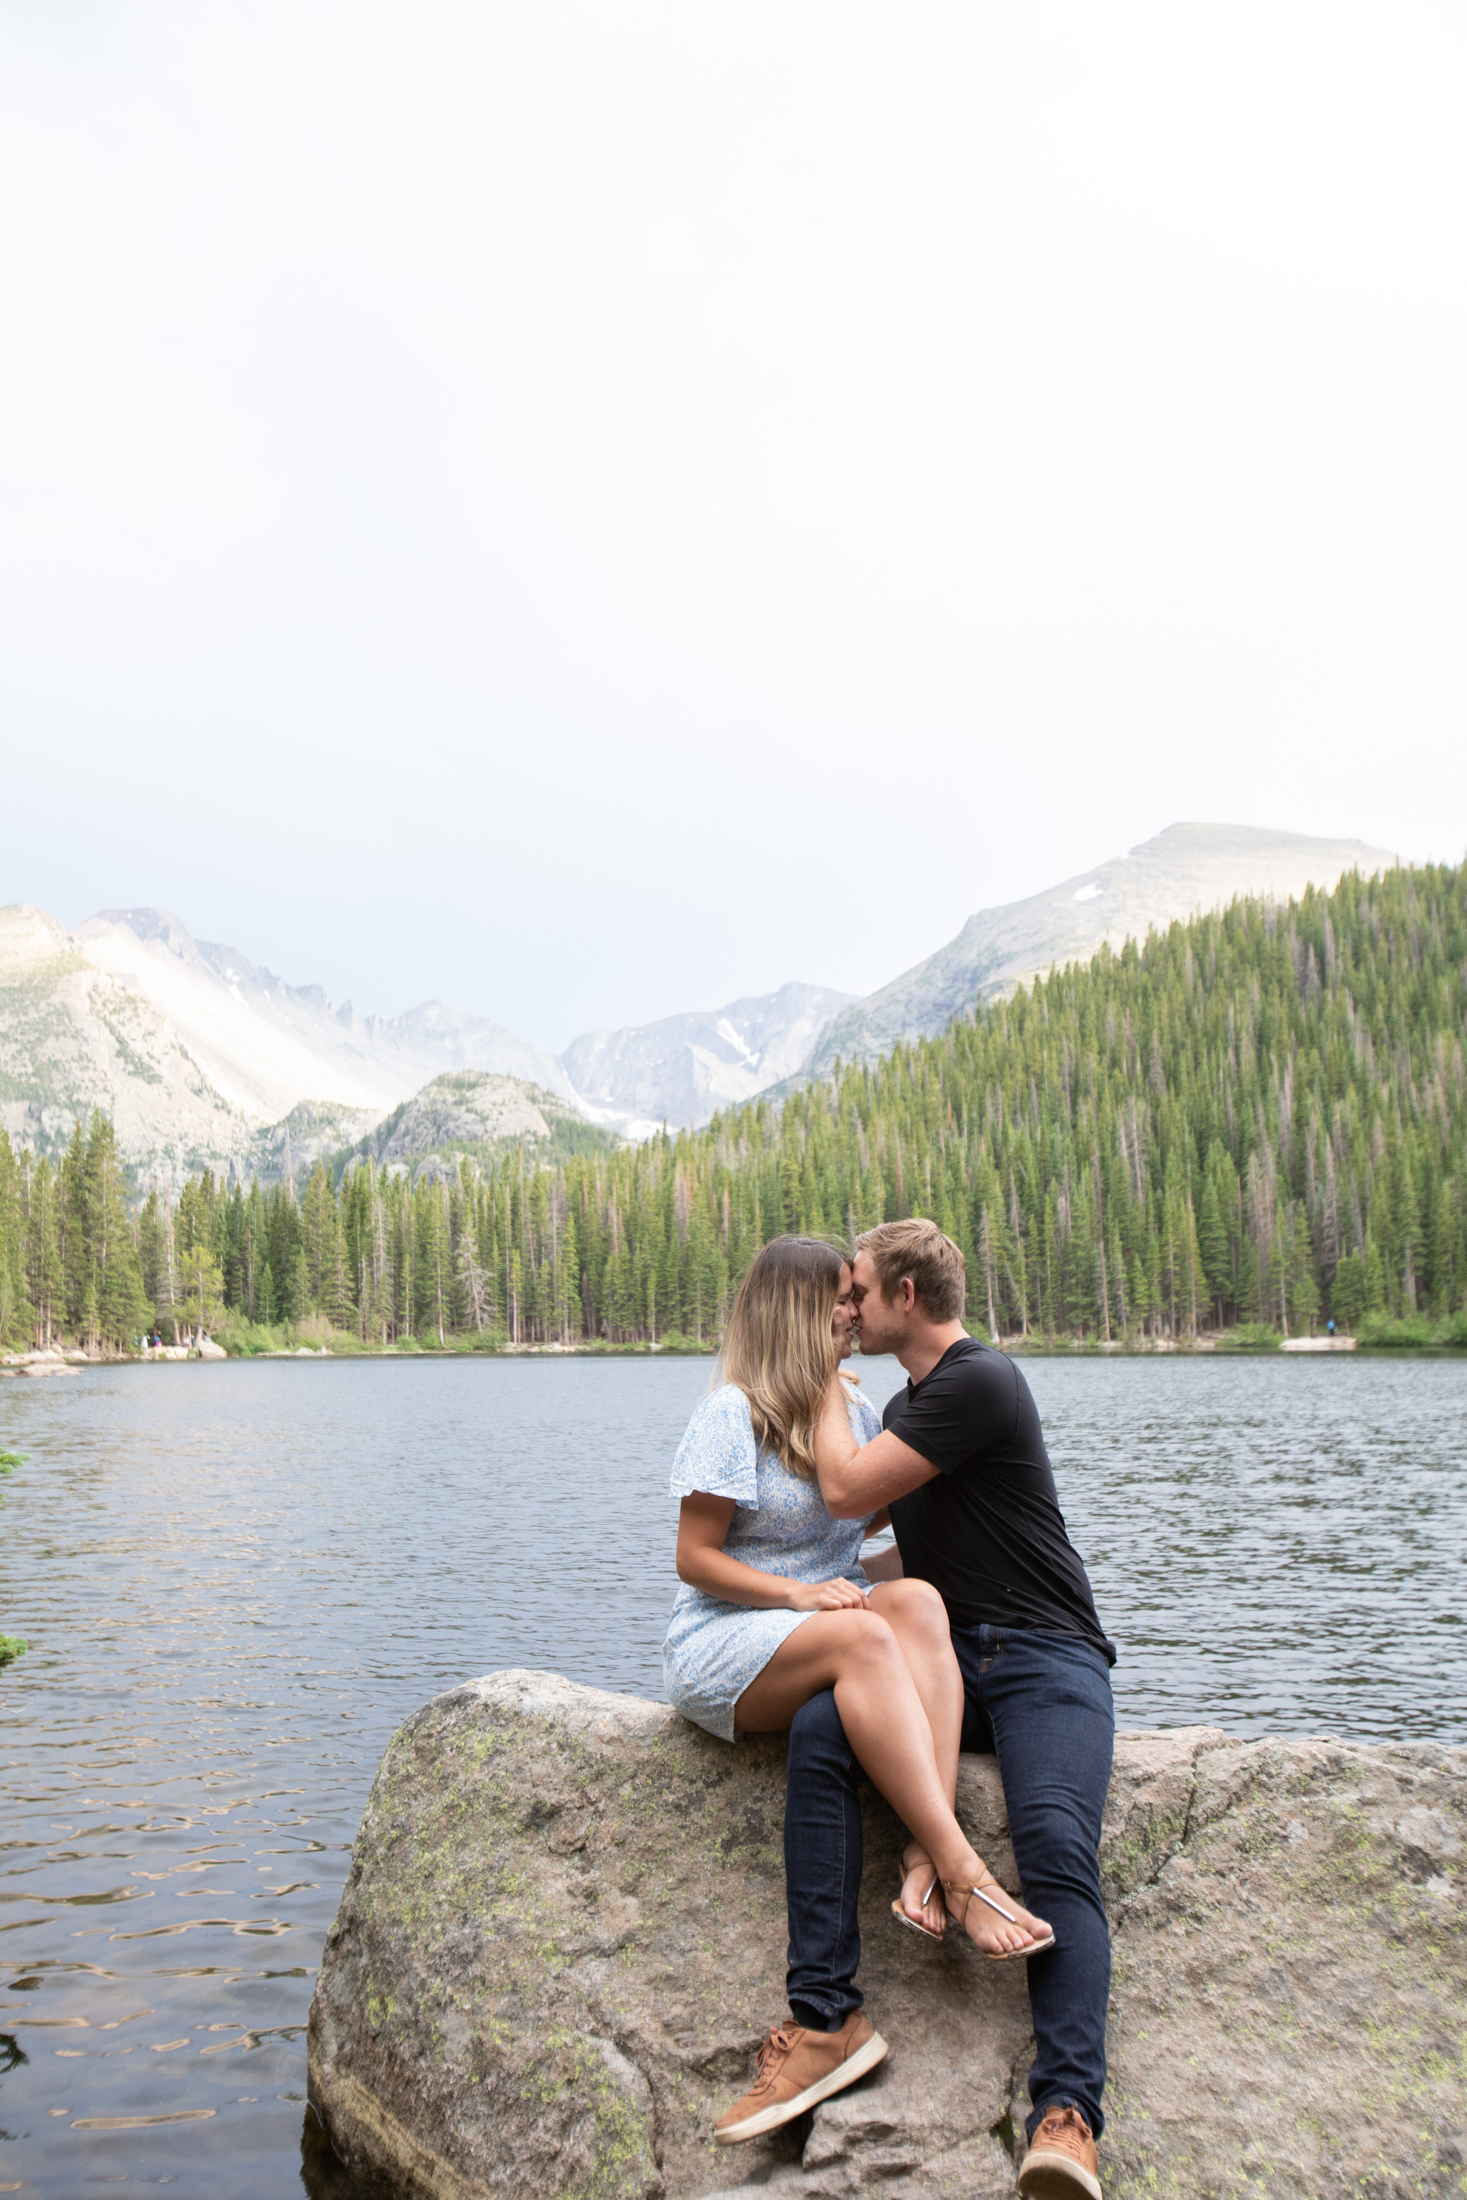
775, 1613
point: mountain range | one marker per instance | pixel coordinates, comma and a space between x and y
1185, 868
684, 1069
204, 1059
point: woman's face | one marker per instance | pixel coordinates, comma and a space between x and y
844, 1315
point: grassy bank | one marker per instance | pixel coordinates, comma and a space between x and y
1378, 1333
245, 1340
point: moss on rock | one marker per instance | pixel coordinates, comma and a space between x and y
563, 1936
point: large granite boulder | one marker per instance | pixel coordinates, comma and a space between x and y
563, 1937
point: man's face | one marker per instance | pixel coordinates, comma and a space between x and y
879, 1324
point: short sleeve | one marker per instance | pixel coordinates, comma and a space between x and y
865, 1420
966, 1405
718, 1455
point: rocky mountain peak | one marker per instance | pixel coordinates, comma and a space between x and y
1189, 866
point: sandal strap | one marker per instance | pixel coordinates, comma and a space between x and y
926, 1864
951, 1886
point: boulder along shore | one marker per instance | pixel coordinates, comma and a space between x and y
563, 1937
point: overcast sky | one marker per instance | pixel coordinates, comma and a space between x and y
586, 511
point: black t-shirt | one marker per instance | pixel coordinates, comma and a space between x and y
988, 1532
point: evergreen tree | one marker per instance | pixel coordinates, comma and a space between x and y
1119, 1149
1347, 1299
1213, 1248
17, 1312
203, 1291
295, 1299
77, 1254
45, 1271
1375, 1287
115, 1284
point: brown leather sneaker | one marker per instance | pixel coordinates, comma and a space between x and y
1060, 2163
798, 2068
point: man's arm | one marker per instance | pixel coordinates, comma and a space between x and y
856, 1479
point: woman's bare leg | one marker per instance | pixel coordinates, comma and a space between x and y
917, 1616
857, 1654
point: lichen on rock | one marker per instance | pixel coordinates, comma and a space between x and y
563, 1937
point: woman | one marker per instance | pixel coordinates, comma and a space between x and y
775, 1605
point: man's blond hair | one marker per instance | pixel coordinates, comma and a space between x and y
919, 1250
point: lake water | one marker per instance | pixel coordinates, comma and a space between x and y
238, 1579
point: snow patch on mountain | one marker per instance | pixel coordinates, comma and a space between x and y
1184, 869
685, 1069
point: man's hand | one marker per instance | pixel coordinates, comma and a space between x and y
825, 1596
856, 1479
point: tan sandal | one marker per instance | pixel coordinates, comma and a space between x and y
960, 1919
914, 1924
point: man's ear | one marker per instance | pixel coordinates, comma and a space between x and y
909, 1295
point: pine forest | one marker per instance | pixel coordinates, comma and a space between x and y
1257, 1118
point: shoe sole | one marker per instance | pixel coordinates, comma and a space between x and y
1050, 2175
784, 2112
913, 1925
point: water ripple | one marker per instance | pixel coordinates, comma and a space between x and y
237, 1581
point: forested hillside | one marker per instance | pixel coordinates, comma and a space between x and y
1257, 1117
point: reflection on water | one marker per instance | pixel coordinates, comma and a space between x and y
238, 1579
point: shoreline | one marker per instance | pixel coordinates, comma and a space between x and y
72, 1360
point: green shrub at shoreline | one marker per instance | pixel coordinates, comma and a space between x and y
1250, 1337
246, 1340
1413, 1333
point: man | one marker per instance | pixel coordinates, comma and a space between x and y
961, 1463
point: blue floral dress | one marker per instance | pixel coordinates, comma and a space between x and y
780, 1526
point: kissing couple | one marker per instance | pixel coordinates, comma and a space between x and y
976, 1631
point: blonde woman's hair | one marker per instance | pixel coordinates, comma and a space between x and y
779, 1347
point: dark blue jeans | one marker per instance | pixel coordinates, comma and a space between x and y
823, 1856
1042, 1704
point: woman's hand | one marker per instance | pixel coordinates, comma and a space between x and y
704, 1564
825, 1596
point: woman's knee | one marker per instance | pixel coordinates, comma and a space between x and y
866, 1638
918, 1604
